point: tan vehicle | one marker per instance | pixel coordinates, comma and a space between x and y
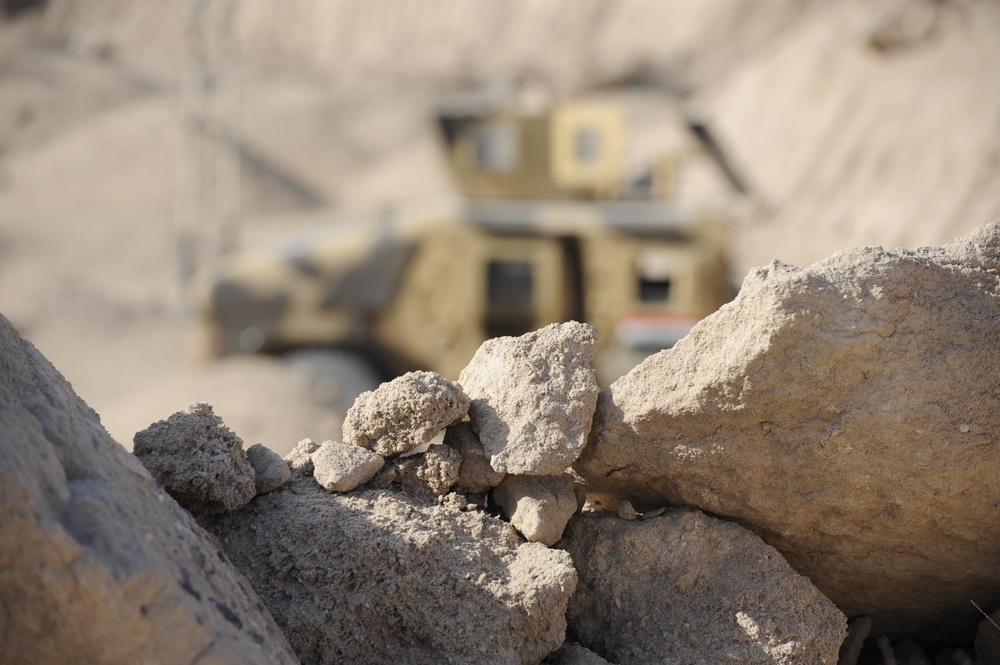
541, 235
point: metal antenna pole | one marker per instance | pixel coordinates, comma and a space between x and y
208, 174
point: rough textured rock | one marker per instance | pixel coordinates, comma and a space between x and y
198, 460
404, 413
688, 588
97, 564
858, 631
300, 457
846, 412
269, 470
475, 476
533, 397
538, 506
339, 467
421, 476
436, 468
374, 577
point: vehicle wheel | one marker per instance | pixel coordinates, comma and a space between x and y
338, 376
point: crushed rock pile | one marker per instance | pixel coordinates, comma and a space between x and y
821, 449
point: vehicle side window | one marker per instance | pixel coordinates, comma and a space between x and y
655, 270
588, 145
497, 147
654, 290
510, 287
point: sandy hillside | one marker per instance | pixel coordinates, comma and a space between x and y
854, 123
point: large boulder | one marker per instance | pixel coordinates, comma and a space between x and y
97, 563
533, 397
377, 577
688, 588
848, 413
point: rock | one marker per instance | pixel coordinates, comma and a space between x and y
626, 511
688, 588
404, 413
847, 413
198, 460
908, 652
572, 653
533, 397
988, 639
424, 476
376, 577
270, 471
475, 476
339, 467
538, 506
300, 458
97, 564
858, 631
435, 470
953, 656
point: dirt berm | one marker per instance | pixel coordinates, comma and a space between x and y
822, 448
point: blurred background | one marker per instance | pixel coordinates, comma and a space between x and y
140, 140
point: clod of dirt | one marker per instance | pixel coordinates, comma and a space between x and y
300, 457
533, 397
688, 588
848, 413
435, 470
340, 467
198, 460
475, 476
538, 506
427, 476
376, 577
98, 564
404, 413
270, 471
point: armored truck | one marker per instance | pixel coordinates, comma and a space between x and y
541, 232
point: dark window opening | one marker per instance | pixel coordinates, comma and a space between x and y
510, 298
654, 290
510, 282
497, 149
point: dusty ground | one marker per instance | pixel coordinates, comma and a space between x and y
854, 124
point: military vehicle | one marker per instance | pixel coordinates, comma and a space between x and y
544, 231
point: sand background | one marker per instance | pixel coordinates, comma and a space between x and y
854, 123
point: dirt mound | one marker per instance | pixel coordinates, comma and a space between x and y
97, 563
